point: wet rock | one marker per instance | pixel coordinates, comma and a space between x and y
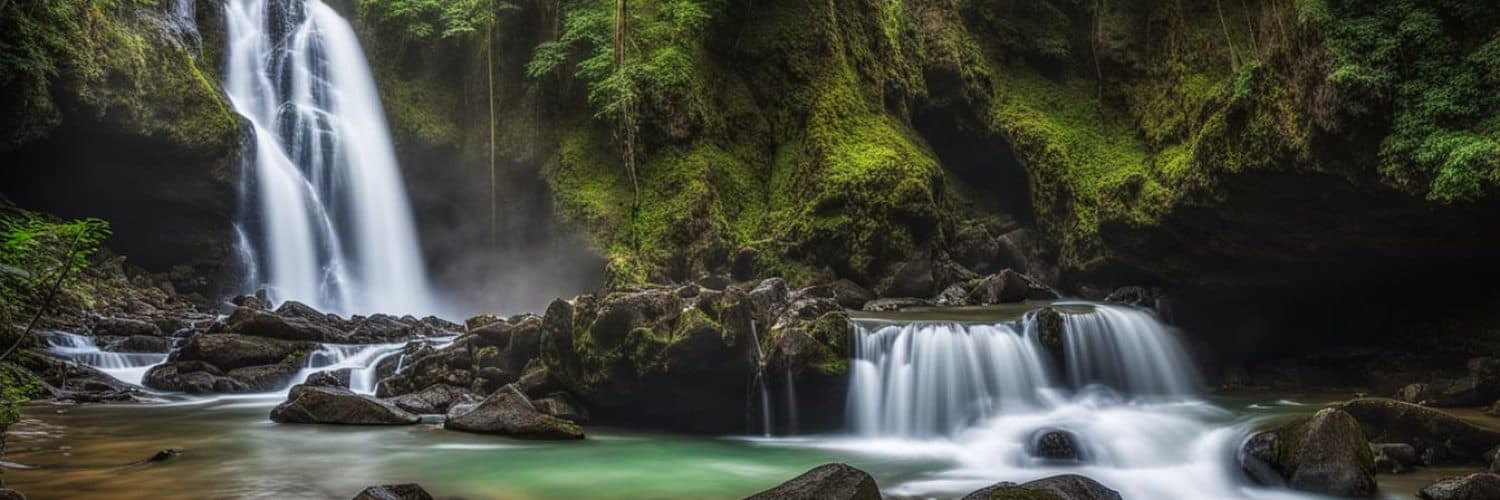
263, 378
619, 313
713, 282
510, 413
914, 278
10, 494
309, 326
1413, 393
331, 405
1132, 295
1063, 487
480, 321
896, 304
1049, 326
434, 399
805, 309
338, 379
125, 327
768, 299
562, 406
847, 294
537, 381
228, 351
410, 491
1394, 458
1481, 486
954, 296
1005, 287
138, 343
192, 377
1326, 453
256, 301
1437, 436
451, 365
825, 482
1480, 386
1054, 445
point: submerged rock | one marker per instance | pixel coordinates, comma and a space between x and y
1437, 436
1326, 453
510, 413
825, 482
1054, 445
1064, 487
331, 405
436, 398
1394, 458
1481, 486
228, 351
410, 491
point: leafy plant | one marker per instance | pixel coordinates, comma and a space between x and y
38, 255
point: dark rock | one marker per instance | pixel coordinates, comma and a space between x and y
1437, 436
256, 301
331, 405
1481, 486
768, 299
1063, 487
10, 494
562, 406
619, 313
125, 327
261, 323
451, 365
394, 492
510, 413
192, 377
1394, 458
805, 309
746, 264
263, 378
338, 379
1326, 453
1049, 327
825, 482
228, 351
480, 321
896, 304
434, 399
138, 343
1493, 410
847, 294
1480, 386
1413, 393
713, 282
1054, 445
914, 278
953, 296
537, 381
1132, 295
1005, 287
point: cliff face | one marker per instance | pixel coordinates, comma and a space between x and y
112, 109
1258, 143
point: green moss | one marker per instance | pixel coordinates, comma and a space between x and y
17, 386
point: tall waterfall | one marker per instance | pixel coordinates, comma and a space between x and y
329, 224
937, 378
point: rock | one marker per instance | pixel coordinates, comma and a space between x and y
337, 379
228, 351
1394, 458
262, 378
562, 406
1132, 295
746, 264
713, 282
1436, 436
914, 278
1326, 453
688, 291
410, 491
137, 343
125, 327
192, 377
896, 304
1493, 410
308, 326
805, 309
768, 299
510, 413
537, 381
256, 301
847, 294
1005, 287
954, 296
1054, 445
1481, 486
451, 365
825, 482
10, 494
1480, 386
480, 321
1413, 393
1063, 487
436, 398
1049, 327
331, 405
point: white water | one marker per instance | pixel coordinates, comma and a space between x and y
128, 367
975, 396
332, 226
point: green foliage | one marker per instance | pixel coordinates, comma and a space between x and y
33, 251
428, 19
1430, 67
17, 386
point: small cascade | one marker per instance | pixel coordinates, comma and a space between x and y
362, 361
1127, 350
128, 367
762, 383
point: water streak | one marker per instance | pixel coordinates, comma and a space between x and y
128, 367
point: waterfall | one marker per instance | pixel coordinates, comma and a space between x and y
330, 224
938, 378
128, 367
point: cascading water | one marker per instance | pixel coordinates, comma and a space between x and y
980, 395
331, 225
128, 367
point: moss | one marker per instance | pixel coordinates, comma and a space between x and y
17, 386
831, 331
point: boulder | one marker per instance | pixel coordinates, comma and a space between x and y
825, 482
336, 378
1063, 487
192, 377
914, 278
562, 406
262, 378
1413, 393
228, 351
1053, 444
10, 494
331, 405
1004, 287
1480, 386
954, 296
1481, 486
136, 343
125, 327
1394, 458
300, 324
1493, 410
452, 365
436, 398
510, 413
1132, 295
1326, 453
768, 299
847, 294
896, 304
805, 309
394, 492
1437, 436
